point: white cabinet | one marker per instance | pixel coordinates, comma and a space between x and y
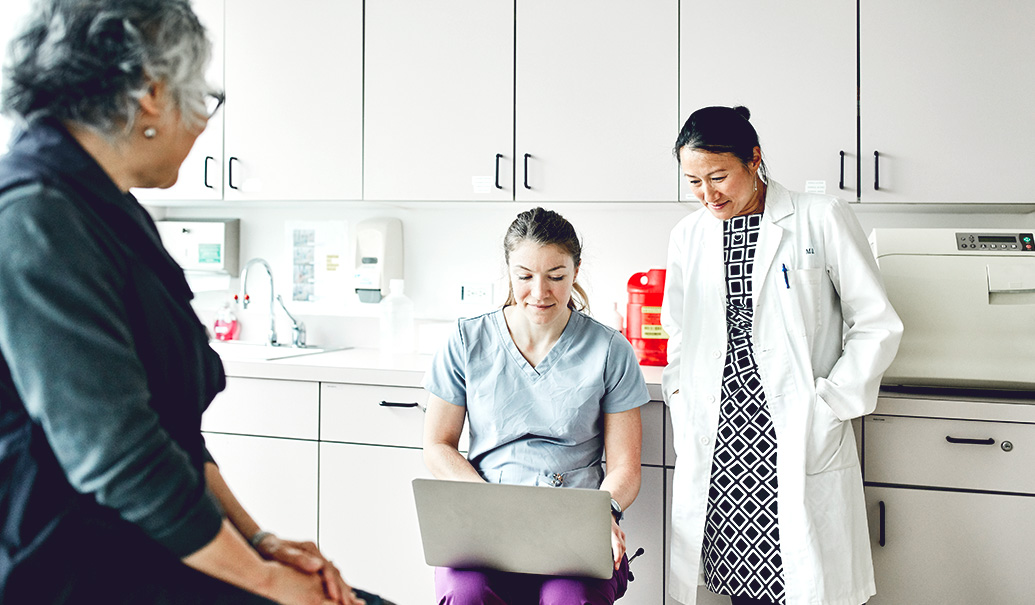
368, 458
528, 100
644, 527
274, 408
262, 434
595, 111
945, 100
939, 95
368, 522
439, 88
949, 547
275, 480
201, 174
794, 68
949, 498
292, 124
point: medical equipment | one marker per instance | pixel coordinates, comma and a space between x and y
967, 302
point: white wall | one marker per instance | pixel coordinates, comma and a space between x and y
448, 244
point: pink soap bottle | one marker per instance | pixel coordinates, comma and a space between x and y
226, 326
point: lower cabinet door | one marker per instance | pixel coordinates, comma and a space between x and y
274, 479
644, 528
368, 521
953, 548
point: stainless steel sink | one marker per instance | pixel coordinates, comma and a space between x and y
233, 350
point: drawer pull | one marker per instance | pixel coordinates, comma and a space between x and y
397, 404
963, 441
880, 537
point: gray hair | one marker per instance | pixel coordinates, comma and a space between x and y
91, 61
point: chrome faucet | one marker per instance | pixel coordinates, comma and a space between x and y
297, 327
245, 299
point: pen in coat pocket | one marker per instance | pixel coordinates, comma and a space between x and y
786, 281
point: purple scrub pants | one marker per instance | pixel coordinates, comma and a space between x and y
487, 587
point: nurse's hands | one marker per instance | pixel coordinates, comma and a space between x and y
617, 542
307, 558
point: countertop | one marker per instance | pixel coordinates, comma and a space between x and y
366, 366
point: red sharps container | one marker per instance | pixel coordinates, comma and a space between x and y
643, 317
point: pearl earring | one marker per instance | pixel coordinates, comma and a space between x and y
150, 132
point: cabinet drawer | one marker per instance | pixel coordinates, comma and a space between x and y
274, 408
377, 415
966, 454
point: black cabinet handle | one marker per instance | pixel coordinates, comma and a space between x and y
876, 170
963, 441
499, 156
841, 181
527, 155
230, 175
397, 404
207, 158
880, 536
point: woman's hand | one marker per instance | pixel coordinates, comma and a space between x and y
617, 542
307, 558
292, 587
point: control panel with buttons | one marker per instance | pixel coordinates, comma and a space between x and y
995, 242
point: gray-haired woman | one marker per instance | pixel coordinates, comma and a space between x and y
107, 493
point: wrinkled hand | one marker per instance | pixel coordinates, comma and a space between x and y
617, 542
306, 557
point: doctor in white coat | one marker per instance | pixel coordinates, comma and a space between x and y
817, 332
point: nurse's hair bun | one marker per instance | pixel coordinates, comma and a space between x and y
743, 112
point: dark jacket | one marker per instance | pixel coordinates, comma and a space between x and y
104, 367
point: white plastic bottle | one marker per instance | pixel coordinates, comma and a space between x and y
615, 319
397, 331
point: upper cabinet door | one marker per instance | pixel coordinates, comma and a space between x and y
946, 101
596, 107
293, 114
201, 174
792, 64
439, 89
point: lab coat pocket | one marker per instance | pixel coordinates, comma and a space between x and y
678, 413
805, 287
830, 445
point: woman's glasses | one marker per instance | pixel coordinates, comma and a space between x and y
213, 101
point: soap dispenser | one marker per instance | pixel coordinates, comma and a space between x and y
379, 257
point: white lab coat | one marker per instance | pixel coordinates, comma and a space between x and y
822, 340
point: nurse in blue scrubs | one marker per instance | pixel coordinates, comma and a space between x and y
547, 390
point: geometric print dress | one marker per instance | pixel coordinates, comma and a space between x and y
741, 549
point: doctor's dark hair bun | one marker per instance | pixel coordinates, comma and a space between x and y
721, 130
90, 61
545, 228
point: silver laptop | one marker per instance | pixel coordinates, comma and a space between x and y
515, 528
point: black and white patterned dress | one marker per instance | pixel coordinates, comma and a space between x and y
741, 537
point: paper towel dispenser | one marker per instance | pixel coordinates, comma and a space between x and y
211, 245
967, 303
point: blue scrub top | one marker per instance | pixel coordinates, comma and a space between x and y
541, 425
